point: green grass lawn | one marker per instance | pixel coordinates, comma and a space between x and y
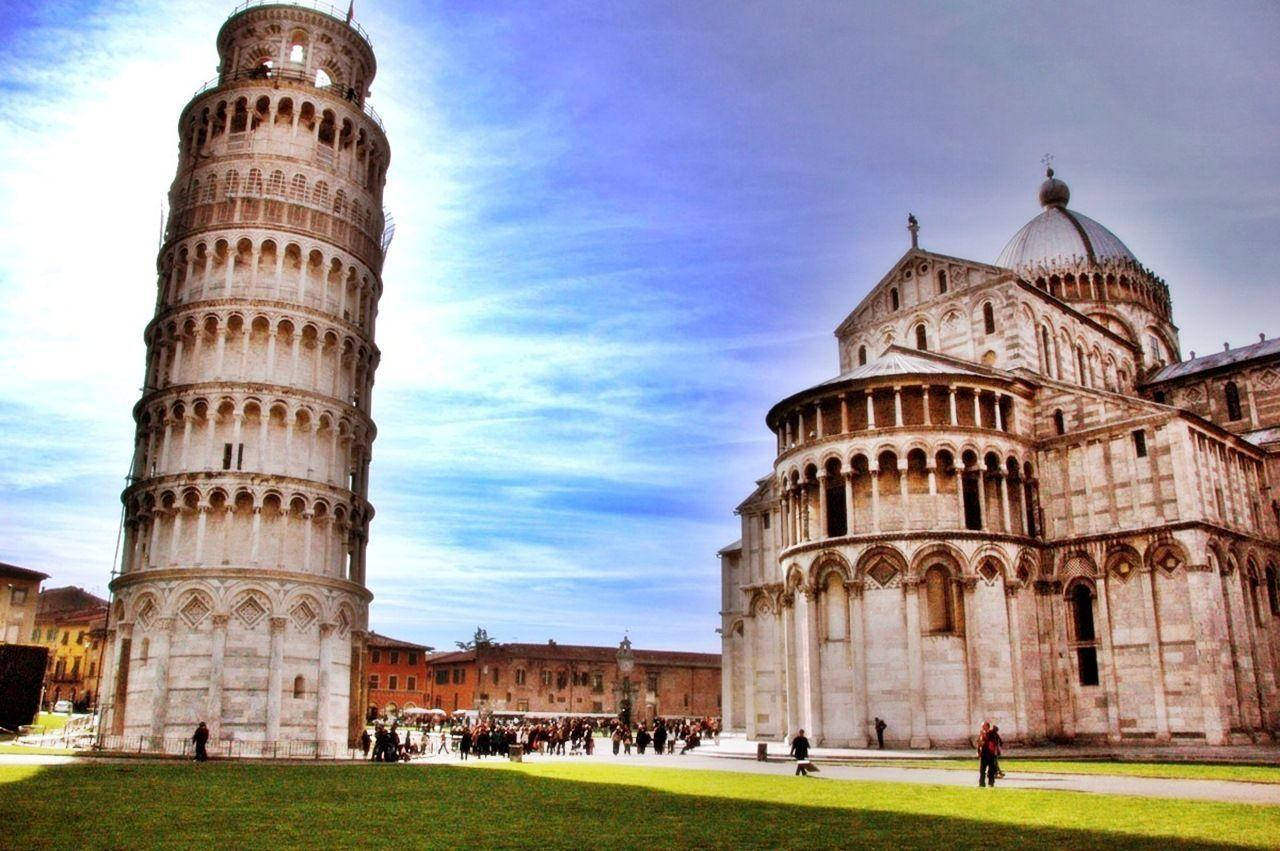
30, 751
1172, 770
576, 805
51, 722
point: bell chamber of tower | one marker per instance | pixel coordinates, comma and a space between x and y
241, 599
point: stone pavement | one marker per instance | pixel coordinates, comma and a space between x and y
1262, 754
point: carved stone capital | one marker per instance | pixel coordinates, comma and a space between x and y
788, 599
221, 621
278, 623
968, 583
1011, 589
326, 629
855, 587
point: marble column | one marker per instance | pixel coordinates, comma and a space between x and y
324, 689
217, 657
1108, 661
1147, 578
275, 678
1013, 620
790, 657
823, 530
749, 675
858, 639
915, 664
972, 660
160, 645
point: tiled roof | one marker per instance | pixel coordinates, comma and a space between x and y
67, 599
15, 572
1263, 436
1217, 360
377, 640
583, 653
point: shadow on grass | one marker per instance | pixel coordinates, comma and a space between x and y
244, 805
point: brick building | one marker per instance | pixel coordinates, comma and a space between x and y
395, 675
72, 623
19, 598
567, 678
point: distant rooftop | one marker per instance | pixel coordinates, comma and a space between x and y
12, 571
1217, 360
378, 640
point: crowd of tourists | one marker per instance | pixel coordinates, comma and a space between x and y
553, 736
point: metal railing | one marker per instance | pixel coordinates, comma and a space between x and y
227, 749
314, 5
262, 74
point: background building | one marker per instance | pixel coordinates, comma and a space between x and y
19, 601
72, 623
1015, 503
396, 676
566, 678
241, 598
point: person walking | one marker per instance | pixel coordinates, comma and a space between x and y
987, 763
982, 752
642, 740
617, 739
464, 743
201, 739
365, 742
659, 737
800, 750
880, 728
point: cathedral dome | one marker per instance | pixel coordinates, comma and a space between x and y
1060, 236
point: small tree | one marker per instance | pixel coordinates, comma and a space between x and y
480, 641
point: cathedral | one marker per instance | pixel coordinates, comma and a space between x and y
1015, 503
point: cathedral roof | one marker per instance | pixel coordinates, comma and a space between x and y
898, 361
1217, 360
1061, 236
894, 361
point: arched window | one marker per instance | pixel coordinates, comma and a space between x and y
1273, 591
988, 319
893, 299
1232, 393
1084, 636
299, 686
1059, 422
939, 599
862, 355
922, 340
1081, 375
942, 280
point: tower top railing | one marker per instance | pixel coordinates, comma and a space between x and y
314, 5
266, 75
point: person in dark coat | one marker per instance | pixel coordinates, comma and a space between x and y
659, 737
365, 742
800, 750
880, 727
988, 759
201, 739
642, 739
464, 743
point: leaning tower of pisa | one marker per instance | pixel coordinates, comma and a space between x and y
241, 598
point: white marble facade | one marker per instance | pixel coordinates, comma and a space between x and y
241, 599
987, 516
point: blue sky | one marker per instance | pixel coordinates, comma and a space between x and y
623, 231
